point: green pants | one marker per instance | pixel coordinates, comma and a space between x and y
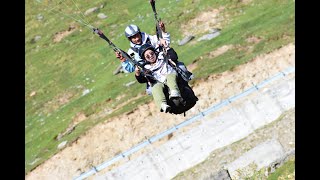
157, 89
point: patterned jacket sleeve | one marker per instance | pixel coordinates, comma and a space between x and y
127, 65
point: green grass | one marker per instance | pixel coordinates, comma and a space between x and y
285, 172
84, 61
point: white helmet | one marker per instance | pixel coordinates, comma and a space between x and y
131, 30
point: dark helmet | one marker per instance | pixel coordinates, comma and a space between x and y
144, 48
131, 30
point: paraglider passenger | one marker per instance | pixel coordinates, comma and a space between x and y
162, 72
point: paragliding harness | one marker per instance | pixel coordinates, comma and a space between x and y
189, 99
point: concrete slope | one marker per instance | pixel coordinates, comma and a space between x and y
238, 120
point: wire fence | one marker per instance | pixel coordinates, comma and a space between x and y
185, 123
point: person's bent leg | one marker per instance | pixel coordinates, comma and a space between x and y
173, 86
159, 97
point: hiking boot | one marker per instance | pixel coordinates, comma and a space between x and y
165, 108
174, 94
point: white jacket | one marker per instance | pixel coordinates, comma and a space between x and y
160, 68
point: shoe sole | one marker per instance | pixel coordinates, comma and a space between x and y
168, 109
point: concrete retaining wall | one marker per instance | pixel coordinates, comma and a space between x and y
241, 118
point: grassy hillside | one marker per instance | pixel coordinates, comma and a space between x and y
59, 73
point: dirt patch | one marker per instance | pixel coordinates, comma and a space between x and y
220, 51
192, 66
212, 54
120, 97
126, 102
203, 22
245, 1
78, 118
57, 102
121, 133
62, 34
253, 39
